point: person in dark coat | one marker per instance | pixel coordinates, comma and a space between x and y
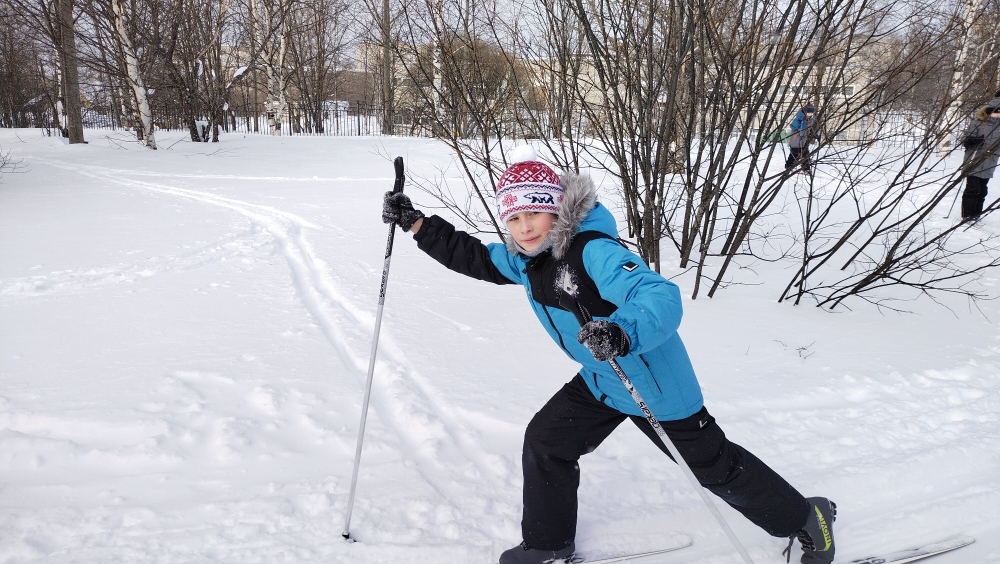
557, 228
981, 140
804, 132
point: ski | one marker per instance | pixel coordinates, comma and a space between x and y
917, 553
582, 559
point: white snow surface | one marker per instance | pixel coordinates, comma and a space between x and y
184, 341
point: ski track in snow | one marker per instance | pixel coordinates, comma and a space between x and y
402, 399
71, 281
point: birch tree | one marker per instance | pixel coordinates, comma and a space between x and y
117, 21
268, 15
964, 23
144, 124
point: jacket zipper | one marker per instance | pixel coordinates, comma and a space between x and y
552, 324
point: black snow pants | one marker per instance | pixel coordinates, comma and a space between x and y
797, 155
574, 423
974, 196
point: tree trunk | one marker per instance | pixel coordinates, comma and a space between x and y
144, 129
70, 73
957, 87
388, 102
278, 104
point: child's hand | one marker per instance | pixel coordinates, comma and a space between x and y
605, 339
396, 208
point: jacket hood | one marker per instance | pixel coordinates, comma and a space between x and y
578, 211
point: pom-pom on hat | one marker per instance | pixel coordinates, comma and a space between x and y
527, 185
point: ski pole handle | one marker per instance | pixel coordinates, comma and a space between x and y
400, 177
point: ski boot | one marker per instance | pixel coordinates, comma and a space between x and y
816, 537
524, 554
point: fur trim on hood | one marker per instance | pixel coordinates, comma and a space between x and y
579, 199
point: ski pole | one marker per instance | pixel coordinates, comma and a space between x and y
567, 299
953, 202
397, 187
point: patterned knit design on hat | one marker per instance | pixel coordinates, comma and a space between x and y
527, 186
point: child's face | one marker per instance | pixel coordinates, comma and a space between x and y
529, 229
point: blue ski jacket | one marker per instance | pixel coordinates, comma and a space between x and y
803, 130
799, 122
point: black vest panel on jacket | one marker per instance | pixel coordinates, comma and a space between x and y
543, 275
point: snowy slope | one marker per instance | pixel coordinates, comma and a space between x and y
184, 338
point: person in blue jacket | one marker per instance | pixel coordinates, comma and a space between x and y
556, 223
804, 132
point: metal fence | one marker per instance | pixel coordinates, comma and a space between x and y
343, 119
337, 119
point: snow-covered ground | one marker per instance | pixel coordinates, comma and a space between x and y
184, 339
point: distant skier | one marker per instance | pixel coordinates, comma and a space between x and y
982, 145
636, 316
804, 132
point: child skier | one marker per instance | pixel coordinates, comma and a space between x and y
556, 223
804, 132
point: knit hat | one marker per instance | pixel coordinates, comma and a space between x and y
810, 108
527, 185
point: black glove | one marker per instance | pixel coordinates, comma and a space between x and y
396, 208
605, 339
973, 141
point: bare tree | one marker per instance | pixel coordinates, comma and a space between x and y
977, 52
70, 73
639, 50
267, 15
316, 52
117, 27
878, 225
6, 163
685, 105
23, 88
381, 46
463, 87
55, 21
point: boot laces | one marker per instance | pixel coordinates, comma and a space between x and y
804, 539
